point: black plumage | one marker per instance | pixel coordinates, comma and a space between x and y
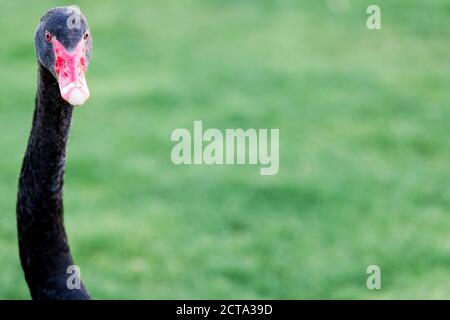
44, 250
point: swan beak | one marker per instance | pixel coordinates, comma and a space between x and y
70, 68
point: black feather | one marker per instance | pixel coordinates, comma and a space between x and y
43, 246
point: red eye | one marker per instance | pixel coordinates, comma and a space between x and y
86, 35
48, 36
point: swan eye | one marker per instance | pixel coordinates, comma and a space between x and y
86, 36
48, 36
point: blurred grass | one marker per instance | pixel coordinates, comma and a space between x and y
364, 121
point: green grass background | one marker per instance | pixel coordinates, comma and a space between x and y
364, 124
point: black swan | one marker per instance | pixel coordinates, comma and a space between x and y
63, 47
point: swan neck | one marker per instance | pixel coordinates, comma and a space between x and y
43, 245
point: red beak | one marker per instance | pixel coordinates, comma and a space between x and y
70, 68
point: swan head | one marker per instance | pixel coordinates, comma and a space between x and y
63, 46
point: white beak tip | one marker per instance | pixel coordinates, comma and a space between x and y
75, 95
